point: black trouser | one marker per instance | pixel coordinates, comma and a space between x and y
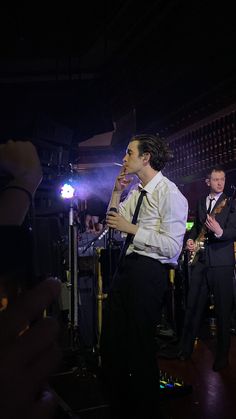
131, 313
219, 281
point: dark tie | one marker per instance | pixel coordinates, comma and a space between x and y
136, 212
130, 236
210, 205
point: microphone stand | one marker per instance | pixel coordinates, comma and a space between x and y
93, 241
110, 245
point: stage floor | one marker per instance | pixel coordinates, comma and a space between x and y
213, 394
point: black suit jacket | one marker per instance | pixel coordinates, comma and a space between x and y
218, 251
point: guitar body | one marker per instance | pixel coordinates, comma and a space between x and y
199, 247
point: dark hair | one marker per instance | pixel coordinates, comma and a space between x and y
159, 150
214, 169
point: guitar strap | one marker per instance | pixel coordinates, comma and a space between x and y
218, 208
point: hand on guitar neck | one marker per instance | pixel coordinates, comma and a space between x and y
193, 247
190, 245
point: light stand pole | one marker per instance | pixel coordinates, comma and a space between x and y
73, 276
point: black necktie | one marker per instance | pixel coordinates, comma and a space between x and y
210, 205
136, 212
130, 236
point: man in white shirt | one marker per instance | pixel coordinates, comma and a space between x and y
133, 307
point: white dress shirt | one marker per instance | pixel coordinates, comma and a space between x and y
161, 220
216, 197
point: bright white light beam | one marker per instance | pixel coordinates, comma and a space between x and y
67, 191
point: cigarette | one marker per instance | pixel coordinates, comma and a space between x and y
118, 164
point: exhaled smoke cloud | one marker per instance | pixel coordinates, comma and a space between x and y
98, 183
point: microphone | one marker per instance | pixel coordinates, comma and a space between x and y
111, 230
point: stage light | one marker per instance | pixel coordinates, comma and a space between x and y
67, 191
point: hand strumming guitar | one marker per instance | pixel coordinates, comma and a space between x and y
213, 226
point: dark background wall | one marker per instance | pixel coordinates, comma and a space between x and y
67, 75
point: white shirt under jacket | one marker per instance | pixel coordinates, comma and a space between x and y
161, 220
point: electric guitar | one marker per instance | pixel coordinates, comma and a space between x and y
202, 238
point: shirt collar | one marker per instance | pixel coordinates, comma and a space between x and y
216, 197
150, 186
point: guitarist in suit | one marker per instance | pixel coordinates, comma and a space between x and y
211, 267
